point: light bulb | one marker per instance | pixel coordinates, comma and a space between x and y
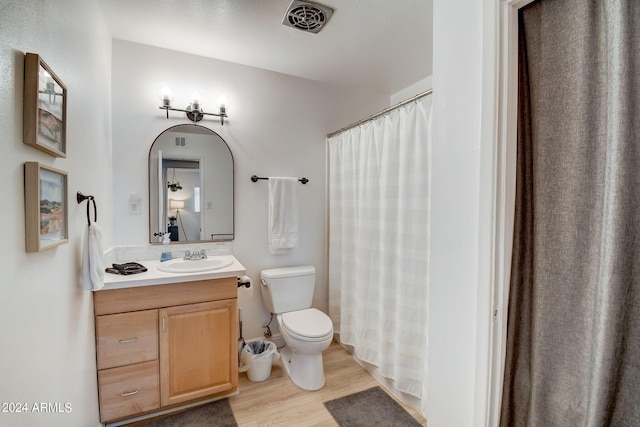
166, 96
195, 101
223, 101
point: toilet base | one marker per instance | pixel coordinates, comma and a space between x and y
305, 370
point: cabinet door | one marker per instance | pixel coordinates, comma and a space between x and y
198, 350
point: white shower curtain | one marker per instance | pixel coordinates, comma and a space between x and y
379, 241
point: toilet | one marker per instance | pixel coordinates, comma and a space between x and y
307, 332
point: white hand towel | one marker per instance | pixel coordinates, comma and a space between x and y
283, 214
93, 259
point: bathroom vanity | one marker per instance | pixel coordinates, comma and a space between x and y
168, 338
164, 340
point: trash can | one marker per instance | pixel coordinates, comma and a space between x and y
256, 359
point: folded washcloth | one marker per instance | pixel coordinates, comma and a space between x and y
283, 214
92, 260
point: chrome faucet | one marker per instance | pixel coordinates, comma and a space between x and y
195, 255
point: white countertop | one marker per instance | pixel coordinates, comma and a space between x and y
153, 276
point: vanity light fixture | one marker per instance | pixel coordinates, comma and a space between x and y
194, 111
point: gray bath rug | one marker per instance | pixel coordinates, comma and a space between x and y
214, 414
372, 407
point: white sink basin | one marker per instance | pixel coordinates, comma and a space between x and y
195, 266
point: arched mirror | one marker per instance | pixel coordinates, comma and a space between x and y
190, 186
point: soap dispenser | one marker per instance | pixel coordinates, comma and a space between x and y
166, 253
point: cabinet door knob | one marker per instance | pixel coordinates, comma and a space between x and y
130, 393
128, 341
163, 324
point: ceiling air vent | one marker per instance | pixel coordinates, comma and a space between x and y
307, 16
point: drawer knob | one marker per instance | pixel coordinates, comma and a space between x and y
128, 341
130, 393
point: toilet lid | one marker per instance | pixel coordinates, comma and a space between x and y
310, 322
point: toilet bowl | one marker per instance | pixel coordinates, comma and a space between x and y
307, 331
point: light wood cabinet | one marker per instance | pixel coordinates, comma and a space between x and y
128, 390
126, 338
166, 345
196, 360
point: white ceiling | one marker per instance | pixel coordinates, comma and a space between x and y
379, 45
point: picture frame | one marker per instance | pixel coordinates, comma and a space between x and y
46, 207
45, 107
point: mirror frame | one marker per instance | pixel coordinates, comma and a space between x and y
154, 239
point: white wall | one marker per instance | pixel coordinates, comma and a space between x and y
47, 347
418, 87
277, 127
465, 83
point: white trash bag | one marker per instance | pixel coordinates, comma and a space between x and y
256, 358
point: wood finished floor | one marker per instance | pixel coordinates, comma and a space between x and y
279, 402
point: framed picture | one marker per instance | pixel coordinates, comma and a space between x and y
45, 203
45, 107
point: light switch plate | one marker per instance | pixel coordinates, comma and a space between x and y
134, 204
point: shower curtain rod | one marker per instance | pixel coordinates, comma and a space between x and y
385, 111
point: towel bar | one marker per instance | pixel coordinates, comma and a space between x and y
255, 178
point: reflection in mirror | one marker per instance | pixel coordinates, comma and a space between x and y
190, 186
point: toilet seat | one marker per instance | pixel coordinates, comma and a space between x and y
309, 324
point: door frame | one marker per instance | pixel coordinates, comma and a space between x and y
504, 98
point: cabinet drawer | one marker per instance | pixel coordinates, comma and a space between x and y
123, 339
128, 390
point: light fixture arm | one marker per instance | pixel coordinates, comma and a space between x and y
196, 114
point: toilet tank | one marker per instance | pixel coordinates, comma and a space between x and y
288, 289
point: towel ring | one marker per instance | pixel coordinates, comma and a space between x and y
81, 198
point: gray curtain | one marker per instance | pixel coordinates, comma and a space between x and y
573, 337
